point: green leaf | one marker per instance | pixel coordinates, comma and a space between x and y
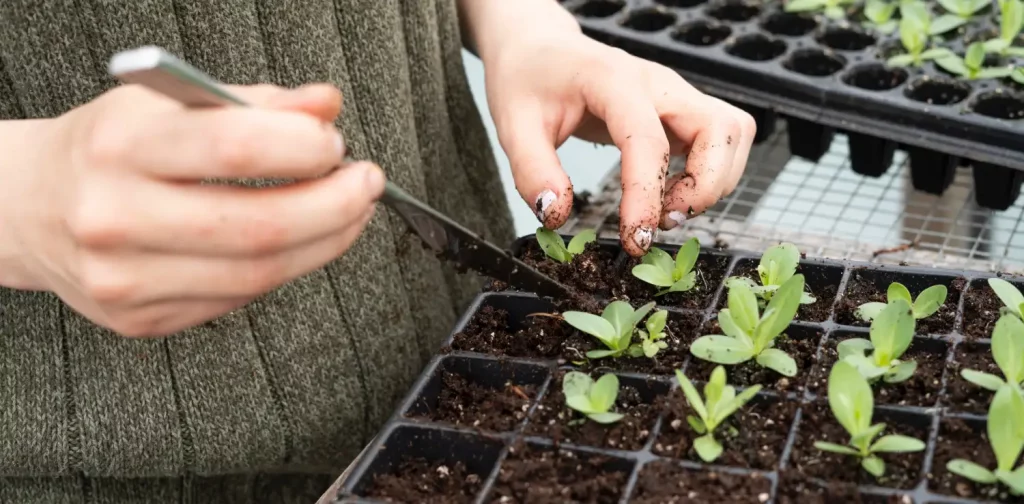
853, 346
684, 284
900, 372
658, 258
721, 350
983, 380
731, 329
996, 45
580, 241
743, 308
656, 322
866, 366
1014, 480
971, 471
1002, 429
736, 402
896, 291
863, 438
707, 448
600, 354
692, 396
835, 448
887, 27
1008, 347
879, 11
892, 331
715, 385
873, 465
973, 6
895, 443
945, 23
915, 19
643, 348
775, 359
834, 12
651, 274
552, 245
1016, 52
994, 72
900, 60
1007, 293
850, 398
604, 392
929, 301
696, 424
779, 312
954, 6
592, 325
686, 258
640, 313
804, 5
974, 58
778, 264
869, 311
1011, 19
954, 65
936, 53
605, 417
1018, 77
620, 315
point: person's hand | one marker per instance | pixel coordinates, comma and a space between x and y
550, 84
109, 211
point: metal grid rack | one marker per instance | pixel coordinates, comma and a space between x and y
828, 210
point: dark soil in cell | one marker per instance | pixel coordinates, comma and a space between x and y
859, 291
552, 419
921, 389
794, 488
710, 273
958, 439
801, 349
752, 437
587, 272
418, 480
667, 483
538, 476
962, 395
824, 293
488, 332
463, 402
981, 310
902, 470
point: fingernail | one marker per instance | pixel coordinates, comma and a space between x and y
543, 202
374, 179
339, 144
642, 237
672, 220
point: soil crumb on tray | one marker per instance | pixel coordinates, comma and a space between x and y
962, 395
488, 332
539, 476
463, 402
418, 480
860, 290
667, 483
960, 439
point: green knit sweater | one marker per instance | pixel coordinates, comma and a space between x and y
269, 403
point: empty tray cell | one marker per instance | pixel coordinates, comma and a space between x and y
480, 393
789, 24
870, 285
514, 325
1000, 104
795, 488
710, 271
965, 439
753, 437
996, 187
870, 156
599, 9
649, 20
583, 272
736, 11
799, 341
845, 38
962, 395
821, 280
536, 473
663, 482
937, 90
921, 389
639, 400
807, 139
418, 464
902, 470
981, 308
702, 32
756, 47
931, 171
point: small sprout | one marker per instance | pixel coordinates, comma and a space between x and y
1007, 351
972, 65
928, 301
832, 8
720, 401
1011, 19
751, 335
778, 264
964, 9
891, 334
915, 25
1013, 300
879, 14
615, 327
1006, 436
657, 268
553, 245
591, 398
852, 403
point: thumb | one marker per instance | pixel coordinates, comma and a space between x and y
537, 172
322, 101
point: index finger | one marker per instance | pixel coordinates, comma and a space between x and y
636, 129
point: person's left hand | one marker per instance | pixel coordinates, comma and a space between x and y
546, 86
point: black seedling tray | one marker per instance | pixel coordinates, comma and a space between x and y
825, 76
502, 346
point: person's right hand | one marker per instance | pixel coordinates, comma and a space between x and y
110, 213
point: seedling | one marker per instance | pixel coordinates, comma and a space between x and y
960, 12
778, 264
555, 248
1013, 300
879, 14
832, 8
1007, 351
972, 65
1011, 19
1018, 75
720, 401
751, 335
657, 268
1006, 436
914, 31
891, 333
615, 327
852, 404
593, 399
927, 303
